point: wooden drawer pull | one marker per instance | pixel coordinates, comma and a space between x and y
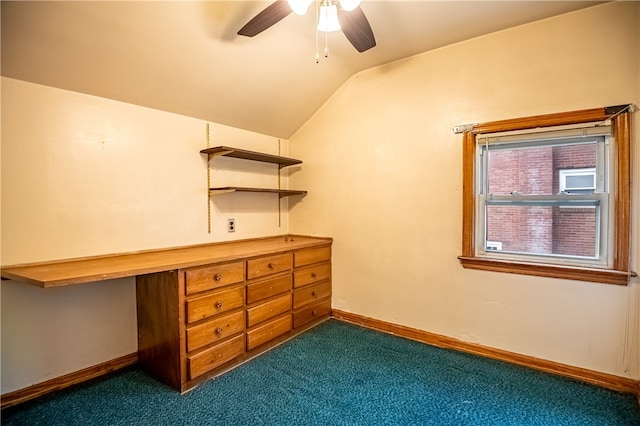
313, 293
218, 331
313, 275
217, 277
314, 313
272, 265
218, 305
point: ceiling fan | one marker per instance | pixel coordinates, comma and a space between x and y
333, 15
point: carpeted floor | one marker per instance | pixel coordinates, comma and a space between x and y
341, 374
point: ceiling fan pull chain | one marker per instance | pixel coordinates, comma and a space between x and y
326, 44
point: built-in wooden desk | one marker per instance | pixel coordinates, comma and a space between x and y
100, 268
204, 309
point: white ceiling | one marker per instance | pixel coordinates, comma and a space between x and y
185, 57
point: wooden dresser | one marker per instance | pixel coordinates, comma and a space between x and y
197, 322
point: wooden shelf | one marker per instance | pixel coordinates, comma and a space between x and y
243, 154
250, 155
281, 192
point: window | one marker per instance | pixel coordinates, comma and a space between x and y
549, 195
577, 181
522, 194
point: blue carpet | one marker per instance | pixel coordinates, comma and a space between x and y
341, 374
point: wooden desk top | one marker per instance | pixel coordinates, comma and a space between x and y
99, 268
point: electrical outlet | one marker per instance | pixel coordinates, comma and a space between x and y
231, 225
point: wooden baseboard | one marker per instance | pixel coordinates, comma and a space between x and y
16, 397
605, 380
601, 379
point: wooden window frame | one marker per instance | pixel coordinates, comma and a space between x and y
619, 273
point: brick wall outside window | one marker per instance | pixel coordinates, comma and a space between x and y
541, 230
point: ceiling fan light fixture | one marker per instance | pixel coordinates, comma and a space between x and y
349, 5
328, 20
354, 24
300, 7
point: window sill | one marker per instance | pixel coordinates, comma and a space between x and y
607, 276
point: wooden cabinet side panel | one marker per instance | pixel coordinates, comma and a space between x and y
159, 332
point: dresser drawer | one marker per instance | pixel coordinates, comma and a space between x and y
267, 265
311, 274
214, 357
208, 278
311, 294
268, 310
214, 330
268, 288
268, 331
213, 304
311, 255
311, 312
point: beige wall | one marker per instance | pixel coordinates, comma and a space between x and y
85, 176
383, 170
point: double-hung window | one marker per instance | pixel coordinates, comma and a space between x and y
549, 195
522, 195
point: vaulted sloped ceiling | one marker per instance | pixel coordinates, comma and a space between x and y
185, 57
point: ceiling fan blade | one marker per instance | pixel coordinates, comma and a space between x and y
270, 15
356, 28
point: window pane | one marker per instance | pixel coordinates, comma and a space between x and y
535, 170
543, 230
581, 181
